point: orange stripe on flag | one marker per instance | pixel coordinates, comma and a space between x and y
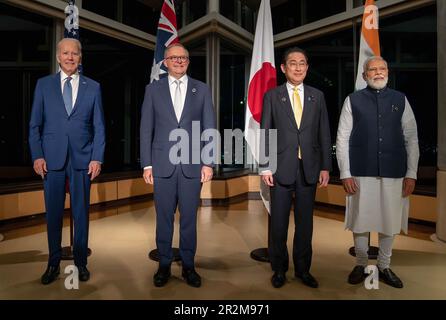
370, 26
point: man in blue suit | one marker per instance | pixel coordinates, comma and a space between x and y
67, 140
176, 102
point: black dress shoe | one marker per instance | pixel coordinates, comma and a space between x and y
278, 279
50, 274
390, 278
161, 276
357, 275
84, 274
308, 280
192, 277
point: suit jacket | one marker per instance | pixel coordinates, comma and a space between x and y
158, 120
53, 134
313, 137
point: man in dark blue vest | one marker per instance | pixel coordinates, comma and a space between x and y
377, 152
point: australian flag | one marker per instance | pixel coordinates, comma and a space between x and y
72, 23
166, 35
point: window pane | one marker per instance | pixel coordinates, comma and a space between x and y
106, 8
123, 70
197, 66
290, 15
294, 13
189, 10
315, 10
25, 57
141, 15
232, 94
241, 12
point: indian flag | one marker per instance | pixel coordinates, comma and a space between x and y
369, 43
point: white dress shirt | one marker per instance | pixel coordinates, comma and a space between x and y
183, 89
74, 84
300, 89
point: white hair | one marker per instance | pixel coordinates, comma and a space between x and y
77, 42
370, 59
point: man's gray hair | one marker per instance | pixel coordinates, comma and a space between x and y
77, 42
370, 59
177, 44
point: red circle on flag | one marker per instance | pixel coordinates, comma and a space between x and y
263, 80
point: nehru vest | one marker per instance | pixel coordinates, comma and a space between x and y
376, 146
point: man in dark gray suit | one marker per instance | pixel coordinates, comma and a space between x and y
299, 115
176, 103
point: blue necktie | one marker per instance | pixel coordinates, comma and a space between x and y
68, 96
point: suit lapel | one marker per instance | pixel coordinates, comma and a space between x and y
284, 98
58, 94
83, 85
308, 106
190, 91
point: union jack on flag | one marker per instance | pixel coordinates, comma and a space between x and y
166, 35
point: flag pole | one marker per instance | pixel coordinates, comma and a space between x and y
71, 31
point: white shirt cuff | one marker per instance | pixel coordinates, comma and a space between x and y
345, 174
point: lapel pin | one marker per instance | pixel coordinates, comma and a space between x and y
394, 108
283, 99
194, 90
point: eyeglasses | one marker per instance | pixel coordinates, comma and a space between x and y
295, 64
178, 58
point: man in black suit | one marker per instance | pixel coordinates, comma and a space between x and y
299, 115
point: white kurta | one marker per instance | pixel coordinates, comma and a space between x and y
378, 205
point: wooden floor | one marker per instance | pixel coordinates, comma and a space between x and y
120, 239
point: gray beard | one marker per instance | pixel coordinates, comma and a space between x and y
377, 85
